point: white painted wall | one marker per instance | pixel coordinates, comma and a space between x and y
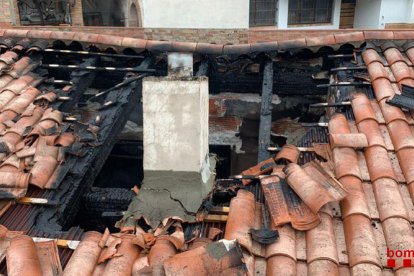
211, 14
376, 13
395, 11
283, 9
367, 14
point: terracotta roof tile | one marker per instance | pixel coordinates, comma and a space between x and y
158, 46
399, 235
292, 44
313, 185
285, 246
289, 153
321, 243
393, 55
242, 218
85, 257
401, 135
391, 113
22, 258
379, 35
348, 140
369, 56
403, 35
203, 261
321, 40
401, 71
360, 241
264, 46
407, 163
285, 206
183, 47
16, 33
281, 265
236, 49
212, 49
134, 43
86, 37
379, 164
349, 37
377, 71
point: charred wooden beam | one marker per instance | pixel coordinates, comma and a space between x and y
81, 81
95, 68
266, 112
87, 53
345, 83
340, 104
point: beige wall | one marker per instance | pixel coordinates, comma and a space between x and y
213, 14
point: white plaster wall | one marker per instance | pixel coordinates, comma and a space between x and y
175, 124
376, 14
211, 14
395, 11
283, 8
367, 14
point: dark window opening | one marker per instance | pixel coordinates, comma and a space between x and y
262, 13
310, 12
46, 12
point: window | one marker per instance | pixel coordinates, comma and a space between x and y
262, 13
310, 12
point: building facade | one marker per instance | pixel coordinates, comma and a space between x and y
212, 14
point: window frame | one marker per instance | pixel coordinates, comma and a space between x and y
272, 22
315, 9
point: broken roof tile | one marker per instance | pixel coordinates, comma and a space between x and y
219, 258
242, 217
285, 205
313, 185
289, 153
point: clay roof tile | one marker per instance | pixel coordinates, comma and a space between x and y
383, 89
264, 46
292, 44
110, 40
187, 47
39, 34
349, 37
65, 36
85, 257
285, 246
393, 55
289, 153
320, 40
211, 49
22, 258
16, 33
158, 46
129, 42
360, 241
376, 70
321, 243
379, 35
389, 200
239, 49
370, 55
